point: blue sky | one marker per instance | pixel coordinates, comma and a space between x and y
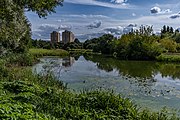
93, 18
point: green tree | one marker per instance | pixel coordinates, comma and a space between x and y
169, 45
15, 29
41, 7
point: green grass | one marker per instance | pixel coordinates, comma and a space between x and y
47, 52
80, 51
169, 58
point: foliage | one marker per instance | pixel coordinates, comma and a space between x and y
72, 45
3, 69
169, 58
169, 45
14, 27
46, 44
102, 44
15, 32
24, 59
176, 37
41, 7
89, 44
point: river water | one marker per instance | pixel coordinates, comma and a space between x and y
147, 83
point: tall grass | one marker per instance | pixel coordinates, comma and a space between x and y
47, 52
168, 58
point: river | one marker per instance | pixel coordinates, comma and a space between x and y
147, 83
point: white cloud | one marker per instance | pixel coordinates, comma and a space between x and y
116, 31
60, 20
84, 37
123, 4
85, 16
133, 14
174, 16
119, 30
157, 10
44, 30
65, 27
118, 1
47, 27
95, 24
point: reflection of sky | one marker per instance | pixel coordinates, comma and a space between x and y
167, 81
83, 74
82, 69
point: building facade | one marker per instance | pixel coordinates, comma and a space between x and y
55, 37
67, 37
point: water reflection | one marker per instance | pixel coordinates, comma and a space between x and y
147, 82
137, 69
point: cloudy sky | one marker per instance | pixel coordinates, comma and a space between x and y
93, 18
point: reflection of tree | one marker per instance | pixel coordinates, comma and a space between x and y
76, 55
136, 69
138, 72
106, 67
172, 70
140, 69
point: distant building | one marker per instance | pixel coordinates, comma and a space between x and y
55, 37
67, 37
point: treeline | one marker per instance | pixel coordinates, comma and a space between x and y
140, 44
49, 45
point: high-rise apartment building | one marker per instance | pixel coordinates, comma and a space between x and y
67, 37
55, 37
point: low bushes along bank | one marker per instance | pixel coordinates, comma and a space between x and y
168, 58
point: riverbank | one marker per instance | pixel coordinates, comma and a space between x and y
24, 95
166, 57
169, 57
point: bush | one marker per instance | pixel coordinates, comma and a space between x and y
168, 58
168, 45
24, 59
3, 69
